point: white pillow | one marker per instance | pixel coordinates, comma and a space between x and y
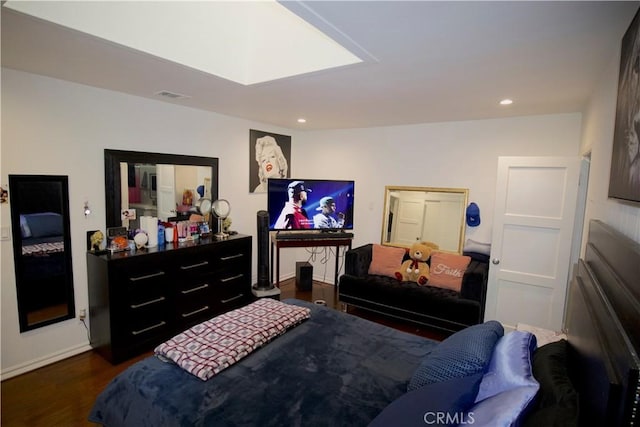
478, 247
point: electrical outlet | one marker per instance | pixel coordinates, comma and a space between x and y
83, 314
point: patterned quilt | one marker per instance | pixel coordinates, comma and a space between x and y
212, 346
41, 249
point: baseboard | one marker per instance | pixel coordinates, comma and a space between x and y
43, 361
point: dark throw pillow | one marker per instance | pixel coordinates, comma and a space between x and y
443, 403
464, 353
557, 402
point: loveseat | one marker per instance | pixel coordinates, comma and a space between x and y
435, 307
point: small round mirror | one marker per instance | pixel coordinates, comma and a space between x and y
204, 206
221, 209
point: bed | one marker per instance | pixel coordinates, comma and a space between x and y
337, 369
603, 328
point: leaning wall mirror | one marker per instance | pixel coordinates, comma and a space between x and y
167, 186
413, 214
41, 249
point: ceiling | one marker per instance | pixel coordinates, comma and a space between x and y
423, 61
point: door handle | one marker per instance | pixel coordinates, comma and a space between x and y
495, 261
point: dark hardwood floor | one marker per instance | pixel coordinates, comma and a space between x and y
63, 393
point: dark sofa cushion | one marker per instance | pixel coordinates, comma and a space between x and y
357, 260
409, 296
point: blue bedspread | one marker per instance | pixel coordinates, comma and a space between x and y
332, 370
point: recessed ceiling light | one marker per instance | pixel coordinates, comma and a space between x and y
506, 102
301, 120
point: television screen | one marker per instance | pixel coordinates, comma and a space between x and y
310, 204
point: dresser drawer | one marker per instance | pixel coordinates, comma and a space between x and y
194, 302
232, 254
144, 323
232, 289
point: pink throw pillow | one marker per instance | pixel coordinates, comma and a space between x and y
447, 270
386, 260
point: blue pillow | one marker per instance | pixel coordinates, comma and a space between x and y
511, 365
443, 403
45, 224
466, 352
508, 387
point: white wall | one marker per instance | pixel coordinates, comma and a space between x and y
54, 127
597, 139
453, 154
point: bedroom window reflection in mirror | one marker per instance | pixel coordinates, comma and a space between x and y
414, 214
41, 249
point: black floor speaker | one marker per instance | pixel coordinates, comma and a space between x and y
304, 276
264, 280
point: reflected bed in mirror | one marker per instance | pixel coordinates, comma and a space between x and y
41, 249
155, 184
414, 214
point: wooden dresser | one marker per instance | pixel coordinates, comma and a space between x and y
138, 300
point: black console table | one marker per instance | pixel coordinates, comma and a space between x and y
330, 239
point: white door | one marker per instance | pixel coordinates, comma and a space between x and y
166, 191
531, 243
409, 221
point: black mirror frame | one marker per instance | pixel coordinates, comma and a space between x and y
15, 199
112, 160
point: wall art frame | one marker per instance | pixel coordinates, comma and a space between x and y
624, 179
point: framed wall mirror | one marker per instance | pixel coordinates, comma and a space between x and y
41, 249
415, 214
166, 186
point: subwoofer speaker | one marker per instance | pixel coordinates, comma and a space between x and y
264, 281
304, 276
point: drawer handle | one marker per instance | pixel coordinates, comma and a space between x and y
224, 301
198, 288
228, 279
148, 276
142, 331
153, 301
188, 267
205, 308
227, 258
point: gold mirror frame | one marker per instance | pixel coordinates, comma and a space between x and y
414, 214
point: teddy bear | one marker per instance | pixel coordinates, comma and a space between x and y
416, 269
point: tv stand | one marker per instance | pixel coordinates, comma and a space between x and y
306, 240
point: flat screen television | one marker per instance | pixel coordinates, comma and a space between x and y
310, 204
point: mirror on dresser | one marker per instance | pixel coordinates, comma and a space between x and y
155, 184
41, 249
430, 214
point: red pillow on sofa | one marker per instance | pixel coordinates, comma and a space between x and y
386, 260
447, 270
